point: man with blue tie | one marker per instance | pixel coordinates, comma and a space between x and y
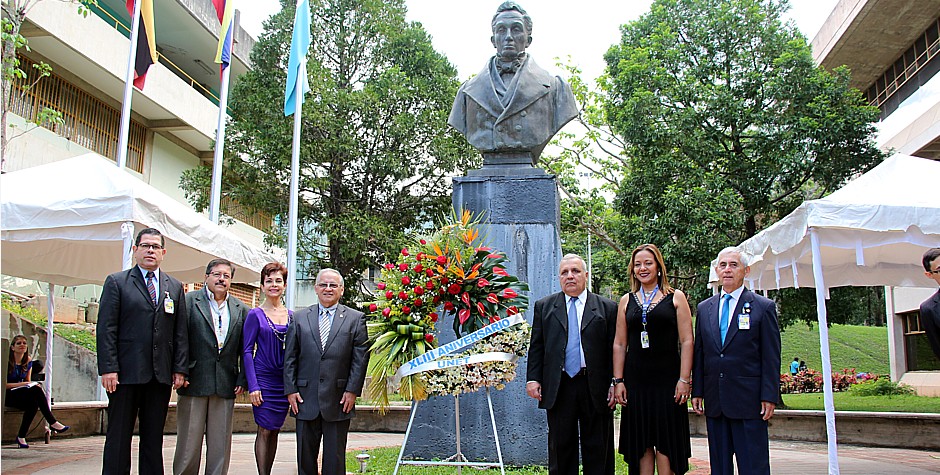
570, 370
736, 370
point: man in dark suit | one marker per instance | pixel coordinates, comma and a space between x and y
930, 309
512, 108
207, 399
736, 370
324, 369
570, 371
142, 354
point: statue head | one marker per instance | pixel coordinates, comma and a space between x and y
512, 30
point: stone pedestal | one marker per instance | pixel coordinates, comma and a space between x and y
523, 219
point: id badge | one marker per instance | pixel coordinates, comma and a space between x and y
168, 305
644, 339
744, 322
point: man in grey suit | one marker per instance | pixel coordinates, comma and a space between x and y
207, 399
324, 370
512, 108
142, 352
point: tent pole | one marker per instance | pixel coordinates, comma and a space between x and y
49, 337
824, 352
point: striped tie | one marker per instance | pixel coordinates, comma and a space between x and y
151, 288
324, 327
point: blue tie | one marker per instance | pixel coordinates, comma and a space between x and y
725, 310
573, 350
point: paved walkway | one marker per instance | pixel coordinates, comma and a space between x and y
82, 455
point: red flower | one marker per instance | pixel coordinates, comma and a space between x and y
381, 285
389, 295
420, 255
406, 310
445, 280
481, 282
389, 266
500, 271
481, 309
429, 285
436, 300
492, 298
442, 260
465, 298
508, 293
493, 319
406, 280
463, 315
419, 268
429, 338
453, 289
373, 307
402, 295
449, 306
403, 267
422, 241
419, 302
419, 290
404, 251
512, 310
429, 272
386, 312
433, 316
483, 248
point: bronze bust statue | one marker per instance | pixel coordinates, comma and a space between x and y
512, 108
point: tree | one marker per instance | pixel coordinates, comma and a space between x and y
14, 13
727, 125
376, 152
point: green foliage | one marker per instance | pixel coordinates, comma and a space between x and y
849, 401
375, 153
70, 333
850, 346
881, 387
846, 305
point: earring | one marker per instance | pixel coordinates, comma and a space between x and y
658, 274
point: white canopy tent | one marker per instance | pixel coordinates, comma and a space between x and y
73, 222
873, 231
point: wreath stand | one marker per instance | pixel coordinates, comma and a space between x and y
458, 459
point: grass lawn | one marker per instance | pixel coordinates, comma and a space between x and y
845, 401
850, 346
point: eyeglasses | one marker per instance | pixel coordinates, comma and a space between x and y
935, 271
219, 275
155, 247
328, 285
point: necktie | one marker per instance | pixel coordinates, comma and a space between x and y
324, 327
573, 350
151, 288
725, 311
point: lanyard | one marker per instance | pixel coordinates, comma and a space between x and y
646, 303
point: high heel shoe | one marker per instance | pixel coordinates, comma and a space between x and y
63, 430
22, 443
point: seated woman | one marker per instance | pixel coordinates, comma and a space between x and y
24, 394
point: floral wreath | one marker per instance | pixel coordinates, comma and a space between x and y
451, 272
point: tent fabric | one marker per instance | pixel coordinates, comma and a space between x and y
61, 223
873, 231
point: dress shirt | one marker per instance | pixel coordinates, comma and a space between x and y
156, 279
580, 306
219, 312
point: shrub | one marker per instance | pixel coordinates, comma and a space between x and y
881, 387
811, 381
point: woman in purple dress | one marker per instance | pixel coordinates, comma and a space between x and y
264, 336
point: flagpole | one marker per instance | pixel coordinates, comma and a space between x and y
294, 185
215, 200
128, 88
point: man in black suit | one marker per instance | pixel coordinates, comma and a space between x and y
324, 369
930, 309
736, 370
207, 399
142, 354
570, 371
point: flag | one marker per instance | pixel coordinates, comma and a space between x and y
146, 41
299, 44
226, 12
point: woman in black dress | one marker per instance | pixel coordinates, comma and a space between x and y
652, 369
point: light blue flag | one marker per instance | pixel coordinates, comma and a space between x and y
299, 44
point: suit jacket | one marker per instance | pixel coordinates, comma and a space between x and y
930, 318
213, 372
736, 376
322, 375
546, 359
137, 339
541, 105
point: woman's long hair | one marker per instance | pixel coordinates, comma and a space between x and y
661, 279
10, 362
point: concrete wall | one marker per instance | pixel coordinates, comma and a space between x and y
167, 164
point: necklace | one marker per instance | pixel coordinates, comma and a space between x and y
280, 335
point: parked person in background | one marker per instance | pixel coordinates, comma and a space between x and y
802, 366
794, 366
143, 353
24, 394
207, 399
324, 370
930, 309
264, 342
736, 370
653, 380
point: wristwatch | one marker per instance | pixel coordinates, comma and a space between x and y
616, 381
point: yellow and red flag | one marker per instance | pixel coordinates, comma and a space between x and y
146, 41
